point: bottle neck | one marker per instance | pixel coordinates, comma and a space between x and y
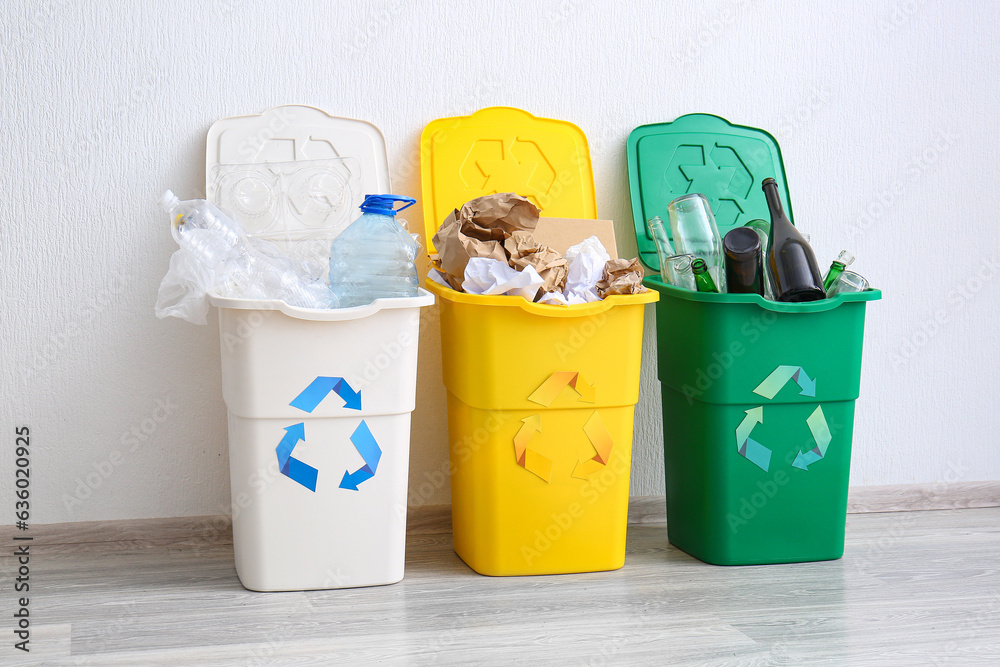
774, 201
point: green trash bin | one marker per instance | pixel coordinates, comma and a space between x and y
758, 396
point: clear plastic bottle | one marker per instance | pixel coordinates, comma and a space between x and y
218, 242
375, 256
202, 228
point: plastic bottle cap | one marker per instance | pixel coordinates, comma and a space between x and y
168, 201
385, 204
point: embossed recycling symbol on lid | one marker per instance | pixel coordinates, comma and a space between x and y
716, 172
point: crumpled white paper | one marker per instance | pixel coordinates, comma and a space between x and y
436, 276
586, 266
484, 275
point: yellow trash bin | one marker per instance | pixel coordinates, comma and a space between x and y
540, 397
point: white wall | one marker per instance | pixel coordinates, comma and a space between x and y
886, 113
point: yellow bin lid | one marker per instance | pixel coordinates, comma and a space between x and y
502, 149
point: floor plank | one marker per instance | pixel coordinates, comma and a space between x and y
913, 588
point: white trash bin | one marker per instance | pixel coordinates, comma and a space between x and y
319, 401
319, 432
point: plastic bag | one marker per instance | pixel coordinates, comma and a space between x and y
184, 288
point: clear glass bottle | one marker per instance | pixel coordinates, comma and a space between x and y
664, 250
693, 228
679, 273
848, 282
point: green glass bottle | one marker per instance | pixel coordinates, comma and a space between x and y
844, 260
702, 278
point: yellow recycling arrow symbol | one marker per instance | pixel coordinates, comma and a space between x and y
558, 381
595, 428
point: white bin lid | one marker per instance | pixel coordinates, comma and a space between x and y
294, 175
294, 172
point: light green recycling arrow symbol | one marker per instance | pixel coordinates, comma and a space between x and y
760, 455
747, 446
821, 434
773, 383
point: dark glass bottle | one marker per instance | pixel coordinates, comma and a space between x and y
744, 261
791, 259
702, 278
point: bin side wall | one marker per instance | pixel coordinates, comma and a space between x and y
268, 358
720, 352
508, 521
724, 509
498, 356
287, 537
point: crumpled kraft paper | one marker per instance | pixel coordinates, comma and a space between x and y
549, 264
621, 276
478, 229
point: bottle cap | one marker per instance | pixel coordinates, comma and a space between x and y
741, 243
385, 204
168, 201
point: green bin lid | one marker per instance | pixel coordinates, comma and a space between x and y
706, 154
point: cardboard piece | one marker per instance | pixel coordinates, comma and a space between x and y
561, 233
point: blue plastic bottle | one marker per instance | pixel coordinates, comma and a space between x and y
374, 257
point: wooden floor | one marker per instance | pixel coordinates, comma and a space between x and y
913, 588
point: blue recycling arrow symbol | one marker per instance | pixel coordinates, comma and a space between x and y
290, 467
362, 438
317, 390
365, 443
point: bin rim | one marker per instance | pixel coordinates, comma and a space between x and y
543, 309
424, 298
656, 283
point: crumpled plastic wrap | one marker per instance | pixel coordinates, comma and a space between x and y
184, 287
621, 276
479, 229
216, 256
484, 275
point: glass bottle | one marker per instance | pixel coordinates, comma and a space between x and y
702, 277
679, 273
848, 282
744, 261
844, 260
791, 259
693, 228
664, 250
